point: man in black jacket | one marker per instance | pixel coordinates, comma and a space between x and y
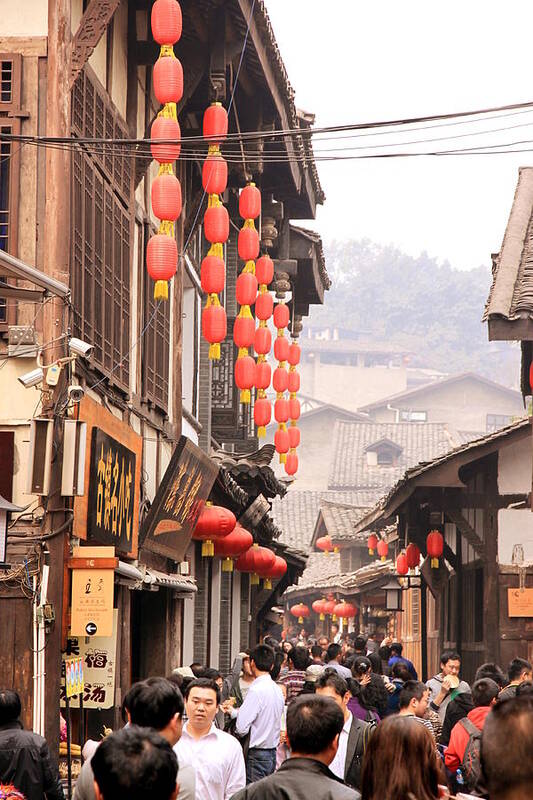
24, 756
313, 727
355, 734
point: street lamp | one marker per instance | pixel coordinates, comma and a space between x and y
6, 509
393, 595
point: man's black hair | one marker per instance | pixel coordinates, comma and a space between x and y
203, 683
299, 658
316, 651
331, 678
396, 648
313, 722
197, 668
212, 674
484, 691
384, 652
10, 707
333, 652
507, 747
263, 657
359, 643
128, 699
517, 667
411, 690
400, 671
133, 764
155, 702
449, 655
491, 670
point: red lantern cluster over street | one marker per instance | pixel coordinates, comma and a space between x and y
264, 305
413, 556
329, 608
214, 523
216, 228
280, 381
435, 547
293, 357
300, 610
372, 544
162, 250
246, 290
232, 546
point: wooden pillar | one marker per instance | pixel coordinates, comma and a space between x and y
424, 629
56, 250
459, 593
491, 582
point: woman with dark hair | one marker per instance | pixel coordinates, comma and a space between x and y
401, 763
362, 702
400, 675
376, 693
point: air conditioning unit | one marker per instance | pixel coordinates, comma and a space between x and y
74, 449
40, 459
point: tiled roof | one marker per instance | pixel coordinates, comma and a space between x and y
316, 239
297, 512
323, 574
340, 518
350, 468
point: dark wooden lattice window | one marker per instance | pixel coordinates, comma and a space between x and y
10, 98
156, 340
100, 244
231, 420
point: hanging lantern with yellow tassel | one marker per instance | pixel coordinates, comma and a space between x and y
246, 291
280, 381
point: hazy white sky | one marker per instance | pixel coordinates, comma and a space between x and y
354, 61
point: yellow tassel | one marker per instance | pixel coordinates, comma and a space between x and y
326, 552
283, 458
161, 290
243, 351
208, 549
267, 583
166, 227
166, 169
213, 201
322, 616
214, 351
249, 267
300, 620
245, 312
167, 50
227, 565
261, 432
245, 396
434, 563
169, 111
334, 618
216, 249
248, 223
213, 150
384, 559
254, 580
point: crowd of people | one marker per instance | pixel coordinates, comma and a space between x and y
327, 720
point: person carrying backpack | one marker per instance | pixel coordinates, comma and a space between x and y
465, 740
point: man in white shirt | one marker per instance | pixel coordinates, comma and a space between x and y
353, 738
260, 716
216, 756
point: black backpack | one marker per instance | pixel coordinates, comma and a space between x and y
471, 763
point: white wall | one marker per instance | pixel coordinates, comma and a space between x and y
514, 467
515, 526
28, 18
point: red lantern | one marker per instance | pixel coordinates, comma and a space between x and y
264, 305
168, 130
161, 262
531, 376
262, 415
262, 375
281, 348
281, 315
294, 408
166, 197
402, 567
294, 354
300, 610
213, 523
248, 244
213, 273
281, 410
244, 331
279, 569
372, 543
215, 174
250, 202
253, 560
232, 546
383, 549
325, 544
214, 325
262, 341
280, 380
245, 376
246, 289
413, 556
266, 565
168, 80
264, 270
281, 440
294, 382
319, 608
294, 436
435, 547
345, 610
329, 608
291, 464
215, 126
216, 224
166, 22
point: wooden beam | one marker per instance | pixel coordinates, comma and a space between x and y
466, 530
90, 30
510, 330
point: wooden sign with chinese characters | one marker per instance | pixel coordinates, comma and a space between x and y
85, 510
185, 487
99, 656
520, 602
92, 595
110, 513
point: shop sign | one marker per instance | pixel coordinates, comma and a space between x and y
185, 487
111, 492
520, 602
98, 657
92, 596
74, 678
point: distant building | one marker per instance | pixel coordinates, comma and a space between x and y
467, 402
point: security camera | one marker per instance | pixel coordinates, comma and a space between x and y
75, 393
32, 378
79, 348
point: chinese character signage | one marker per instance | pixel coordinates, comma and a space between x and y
98, 657
520, 602
186, 485
111, 492
74, 683
92, 596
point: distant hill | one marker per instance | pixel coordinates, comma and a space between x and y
431, 308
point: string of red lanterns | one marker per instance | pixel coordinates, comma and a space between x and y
280, 381
293, 357
264, 306
246, 290
216, 228
162, 249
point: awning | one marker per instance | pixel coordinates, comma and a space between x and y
179, 583
11, 267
